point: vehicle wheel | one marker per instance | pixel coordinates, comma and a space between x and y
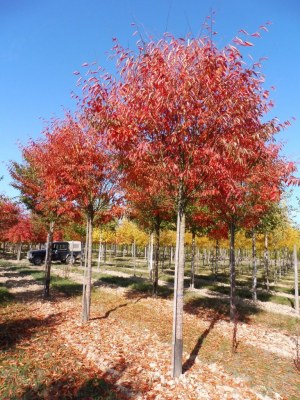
37, 261
70, 260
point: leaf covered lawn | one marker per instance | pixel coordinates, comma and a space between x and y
124, 352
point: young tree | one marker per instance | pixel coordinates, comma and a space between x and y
9, 215
81, 168
38, 193
20, 233
246, 195
174, 104
149, 204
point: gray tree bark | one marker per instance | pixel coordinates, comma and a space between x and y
232, 274
177, 340
296, 280
192, 283
48, 261
254, 267
86, 292
266, 261
156, 258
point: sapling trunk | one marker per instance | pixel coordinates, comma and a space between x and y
89, 269
134, 256
19, 251
192, 283
104, 252
266, 262
177, 340
296, 282
48, 261
99, 251
232, 274
254, 265
217, 258
150, 253
156, 261
86, 295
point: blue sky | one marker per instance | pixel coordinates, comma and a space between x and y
43, 42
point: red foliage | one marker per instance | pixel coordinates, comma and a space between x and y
9, 214
26, 230
174, 109
77, 167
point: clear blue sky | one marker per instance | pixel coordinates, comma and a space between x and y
43, 41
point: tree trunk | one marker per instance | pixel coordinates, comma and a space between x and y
232, 274
163, 259
134, 256
100, 251
296, 280
177, 340
266, 261
87, 285
156, 262
150, 255
254, 267
19, 252
192, 283
48, 261
217, 258
104, 252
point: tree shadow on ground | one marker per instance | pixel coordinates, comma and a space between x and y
186, 281
292, 302
5, 296
207, 308
67, 287
137, 287
107, 314
100, 386
14, 331
192, 357
32, 289
63, 389
118, 281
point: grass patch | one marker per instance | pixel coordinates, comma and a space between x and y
118, 281
66, 286
5, 296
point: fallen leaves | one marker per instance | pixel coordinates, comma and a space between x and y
126, 347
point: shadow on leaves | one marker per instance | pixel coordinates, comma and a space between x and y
14, 331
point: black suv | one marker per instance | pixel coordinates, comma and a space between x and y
66, 252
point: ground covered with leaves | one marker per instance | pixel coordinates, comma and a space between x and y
124, 351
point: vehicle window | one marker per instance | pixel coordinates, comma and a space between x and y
63, 246
54, 246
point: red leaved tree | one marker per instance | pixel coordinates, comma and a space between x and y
9, 215
38, 193
174, 104
245, 190
81, 169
